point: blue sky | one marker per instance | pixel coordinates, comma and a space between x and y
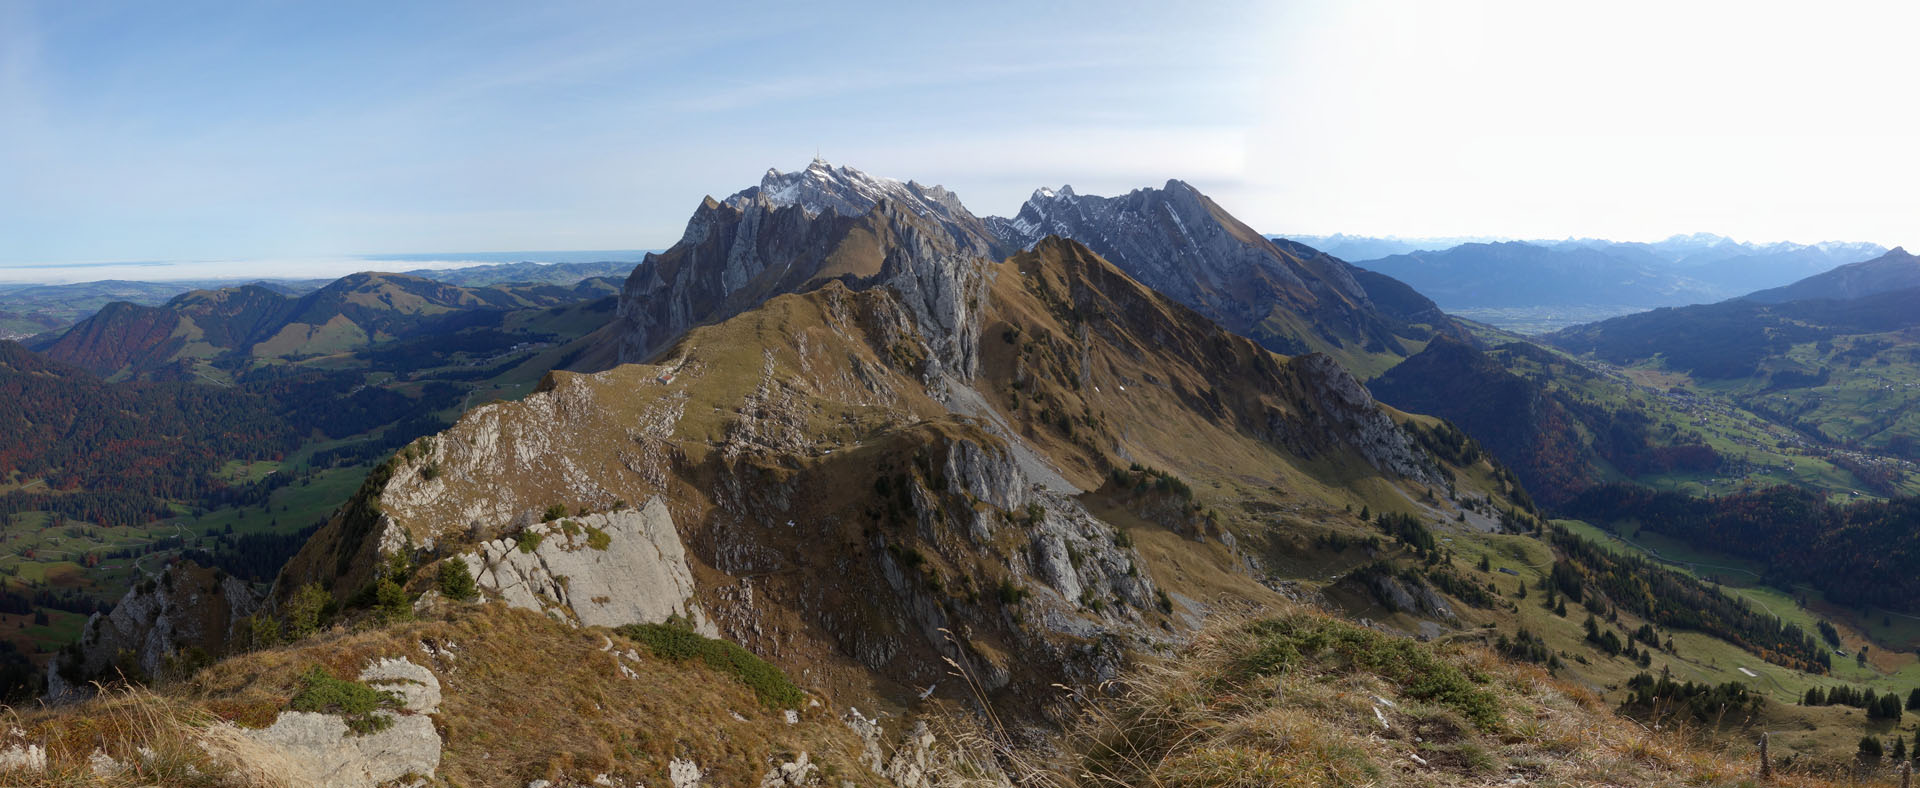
268, 130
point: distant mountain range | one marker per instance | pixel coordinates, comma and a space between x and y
27, 310
1364, 247
1678, 271
195, 332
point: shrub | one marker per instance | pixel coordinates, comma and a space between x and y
528, 541
598, 539
390, 602
679, 643
456, 581
1286, 643
307, 610
553, 513
1011, 593
355, 702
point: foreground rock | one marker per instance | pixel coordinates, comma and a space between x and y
324, 753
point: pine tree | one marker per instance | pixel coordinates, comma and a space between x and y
1870, 750
1913, 700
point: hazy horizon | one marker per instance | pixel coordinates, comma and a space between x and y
39, 273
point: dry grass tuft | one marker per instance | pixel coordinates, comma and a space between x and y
151, 739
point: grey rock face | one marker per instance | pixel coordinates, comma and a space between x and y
1178, 241
1409, 596
322, 752
785, 235
185, 606
821, 188
638, 576
1360, 423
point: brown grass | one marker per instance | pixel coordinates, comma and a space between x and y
1207, 718
524, 698
156, 740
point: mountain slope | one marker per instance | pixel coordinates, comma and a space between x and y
1895, 270
75, 432
1735, 338
1840, 374
1517, 419
815, 448
1178, 241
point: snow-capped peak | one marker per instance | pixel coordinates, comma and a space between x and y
846, 191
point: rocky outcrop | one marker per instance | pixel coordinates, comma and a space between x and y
1356, 419
606, 569
1405, 594
919, 760
182, 617
321, 751
1084, 582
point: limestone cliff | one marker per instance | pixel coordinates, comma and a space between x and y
169, 623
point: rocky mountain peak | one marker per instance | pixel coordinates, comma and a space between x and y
822, 187
797, 231
1178, 241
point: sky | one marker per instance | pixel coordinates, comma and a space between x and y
275, 132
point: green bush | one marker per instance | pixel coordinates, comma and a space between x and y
679, 644
528, 541
307, 610
1011, 593
456, 581
553, 513
390, 602
598, 539
355, 702
1288, 643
